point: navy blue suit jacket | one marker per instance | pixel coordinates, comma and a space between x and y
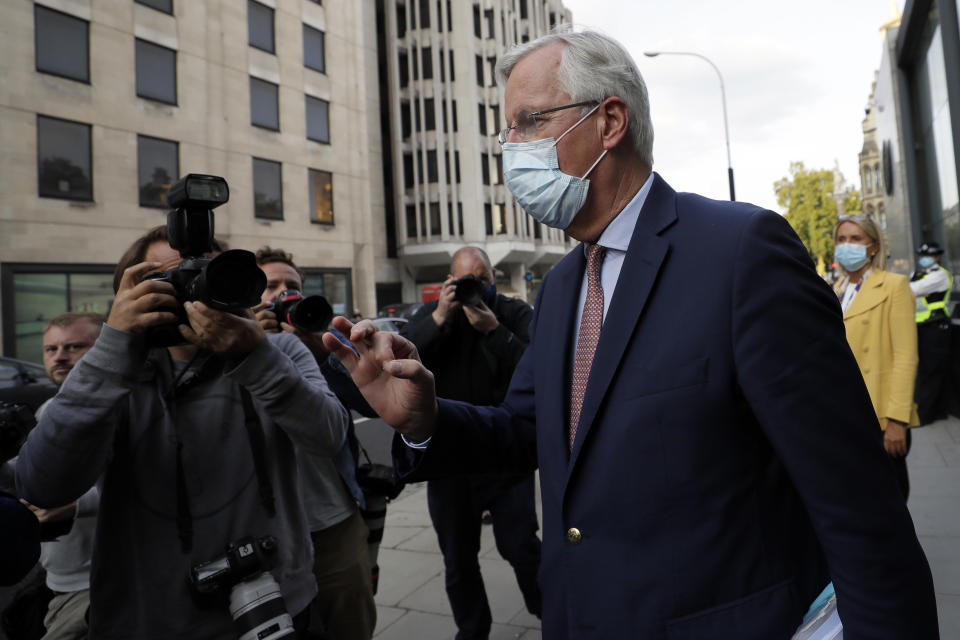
728, 461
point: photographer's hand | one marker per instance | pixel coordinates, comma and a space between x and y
389, 374
139, 305
229, 334
445, 303
266, 318
481, 318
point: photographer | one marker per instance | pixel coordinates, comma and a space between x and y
472, 338
67, 531
194, 448
341, 562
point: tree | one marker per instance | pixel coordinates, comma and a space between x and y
807, 196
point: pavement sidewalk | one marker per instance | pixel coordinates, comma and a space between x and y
412, 603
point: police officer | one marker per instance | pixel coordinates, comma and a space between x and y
931, 284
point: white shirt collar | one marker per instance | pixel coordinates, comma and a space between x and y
618, 233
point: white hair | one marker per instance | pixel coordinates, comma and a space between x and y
594, 66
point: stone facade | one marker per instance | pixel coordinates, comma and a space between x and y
211, 122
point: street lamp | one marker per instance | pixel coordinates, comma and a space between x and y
723, 96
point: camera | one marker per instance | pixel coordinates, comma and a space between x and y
230, 281
469, 291
256, 605
307, 313
16, 421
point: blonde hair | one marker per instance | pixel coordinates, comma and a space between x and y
865, 222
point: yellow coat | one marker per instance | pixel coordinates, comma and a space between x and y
883, 336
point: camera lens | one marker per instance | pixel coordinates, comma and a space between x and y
469, 291
258, 610
232, 280
313, 313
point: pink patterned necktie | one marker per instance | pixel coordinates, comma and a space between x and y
590, 323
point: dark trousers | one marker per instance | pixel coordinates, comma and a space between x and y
933, 347
455, 506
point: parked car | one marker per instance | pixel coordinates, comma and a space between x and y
24, 382
393, 325
399, 310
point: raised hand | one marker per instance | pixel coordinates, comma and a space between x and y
389, 374
446, 304
140, 305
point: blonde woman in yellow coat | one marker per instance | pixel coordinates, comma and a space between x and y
878, 311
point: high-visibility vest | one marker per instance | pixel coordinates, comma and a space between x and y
930, 304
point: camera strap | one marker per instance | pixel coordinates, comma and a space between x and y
258, 444
211, 368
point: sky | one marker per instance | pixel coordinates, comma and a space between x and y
797, 77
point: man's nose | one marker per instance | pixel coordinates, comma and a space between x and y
60, 355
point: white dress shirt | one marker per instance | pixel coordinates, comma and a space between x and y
615, 239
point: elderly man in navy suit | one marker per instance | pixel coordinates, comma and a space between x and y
708, 452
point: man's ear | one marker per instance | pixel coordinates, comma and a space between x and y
613, 122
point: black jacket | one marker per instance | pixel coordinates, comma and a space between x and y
466, 364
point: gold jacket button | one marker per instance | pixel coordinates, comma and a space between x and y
574, 536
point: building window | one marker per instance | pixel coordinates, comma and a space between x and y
313, 49
482, 112
485, 167
260, 26
426, 58
61, 44
332, 284
33, 294
523, 9
476, 20
405, 120
318, 119
408, 176
264, 109
479, 64
453, 76
488, 16
435, 219
404, 69
424, 14
64, 163
429, 115
165, 6
411, 219
156, 72
492, 61
267, 190
321, 197
401, 20
158, 166
432, 171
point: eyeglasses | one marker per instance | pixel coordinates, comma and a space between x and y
853, 216
526, 121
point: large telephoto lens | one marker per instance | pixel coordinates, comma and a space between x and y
313, 313
232, 280
258, 610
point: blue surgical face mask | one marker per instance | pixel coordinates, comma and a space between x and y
489, 294
926, 262
851, 256
532, 173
